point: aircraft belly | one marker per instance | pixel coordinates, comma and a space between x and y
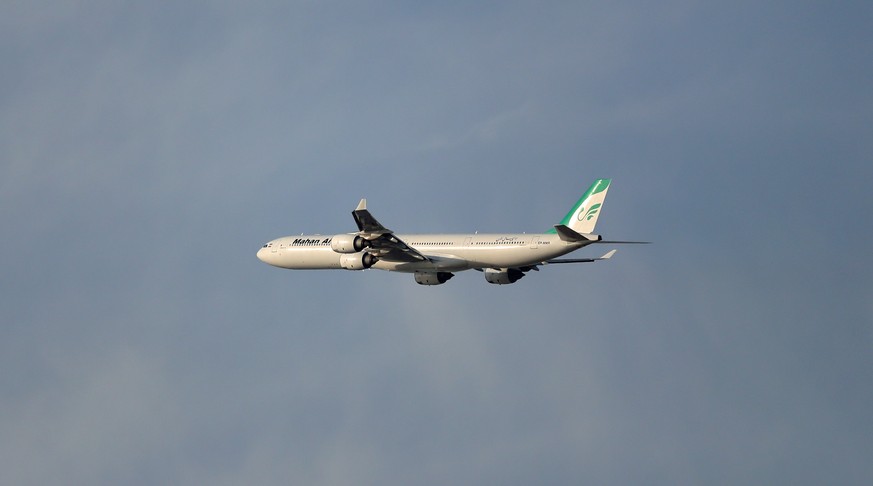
441, 263
511, 257
309, 258
407, 267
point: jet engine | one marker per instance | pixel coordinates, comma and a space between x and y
503, 277
358, 261
348, 243
432, 278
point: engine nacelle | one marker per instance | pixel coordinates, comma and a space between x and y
348, 243
432, 278
358, 261
503, 277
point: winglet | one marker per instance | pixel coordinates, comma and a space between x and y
608, 255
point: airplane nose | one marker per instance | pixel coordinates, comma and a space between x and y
262, 255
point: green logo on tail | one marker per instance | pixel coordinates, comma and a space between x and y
587, 215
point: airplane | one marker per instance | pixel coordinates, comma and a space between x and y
434, 258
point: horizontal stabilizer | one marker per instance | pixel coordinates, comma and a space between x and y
614, 242
567, 234
606, 256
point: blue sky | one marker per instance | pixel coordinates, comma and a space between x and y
147, 151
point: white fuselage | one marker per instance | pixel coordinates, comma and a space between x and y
446, 252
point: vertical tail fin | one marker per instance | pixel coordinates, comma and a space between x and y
583, 216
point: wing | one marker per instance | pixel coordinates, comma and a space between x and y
382, 241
